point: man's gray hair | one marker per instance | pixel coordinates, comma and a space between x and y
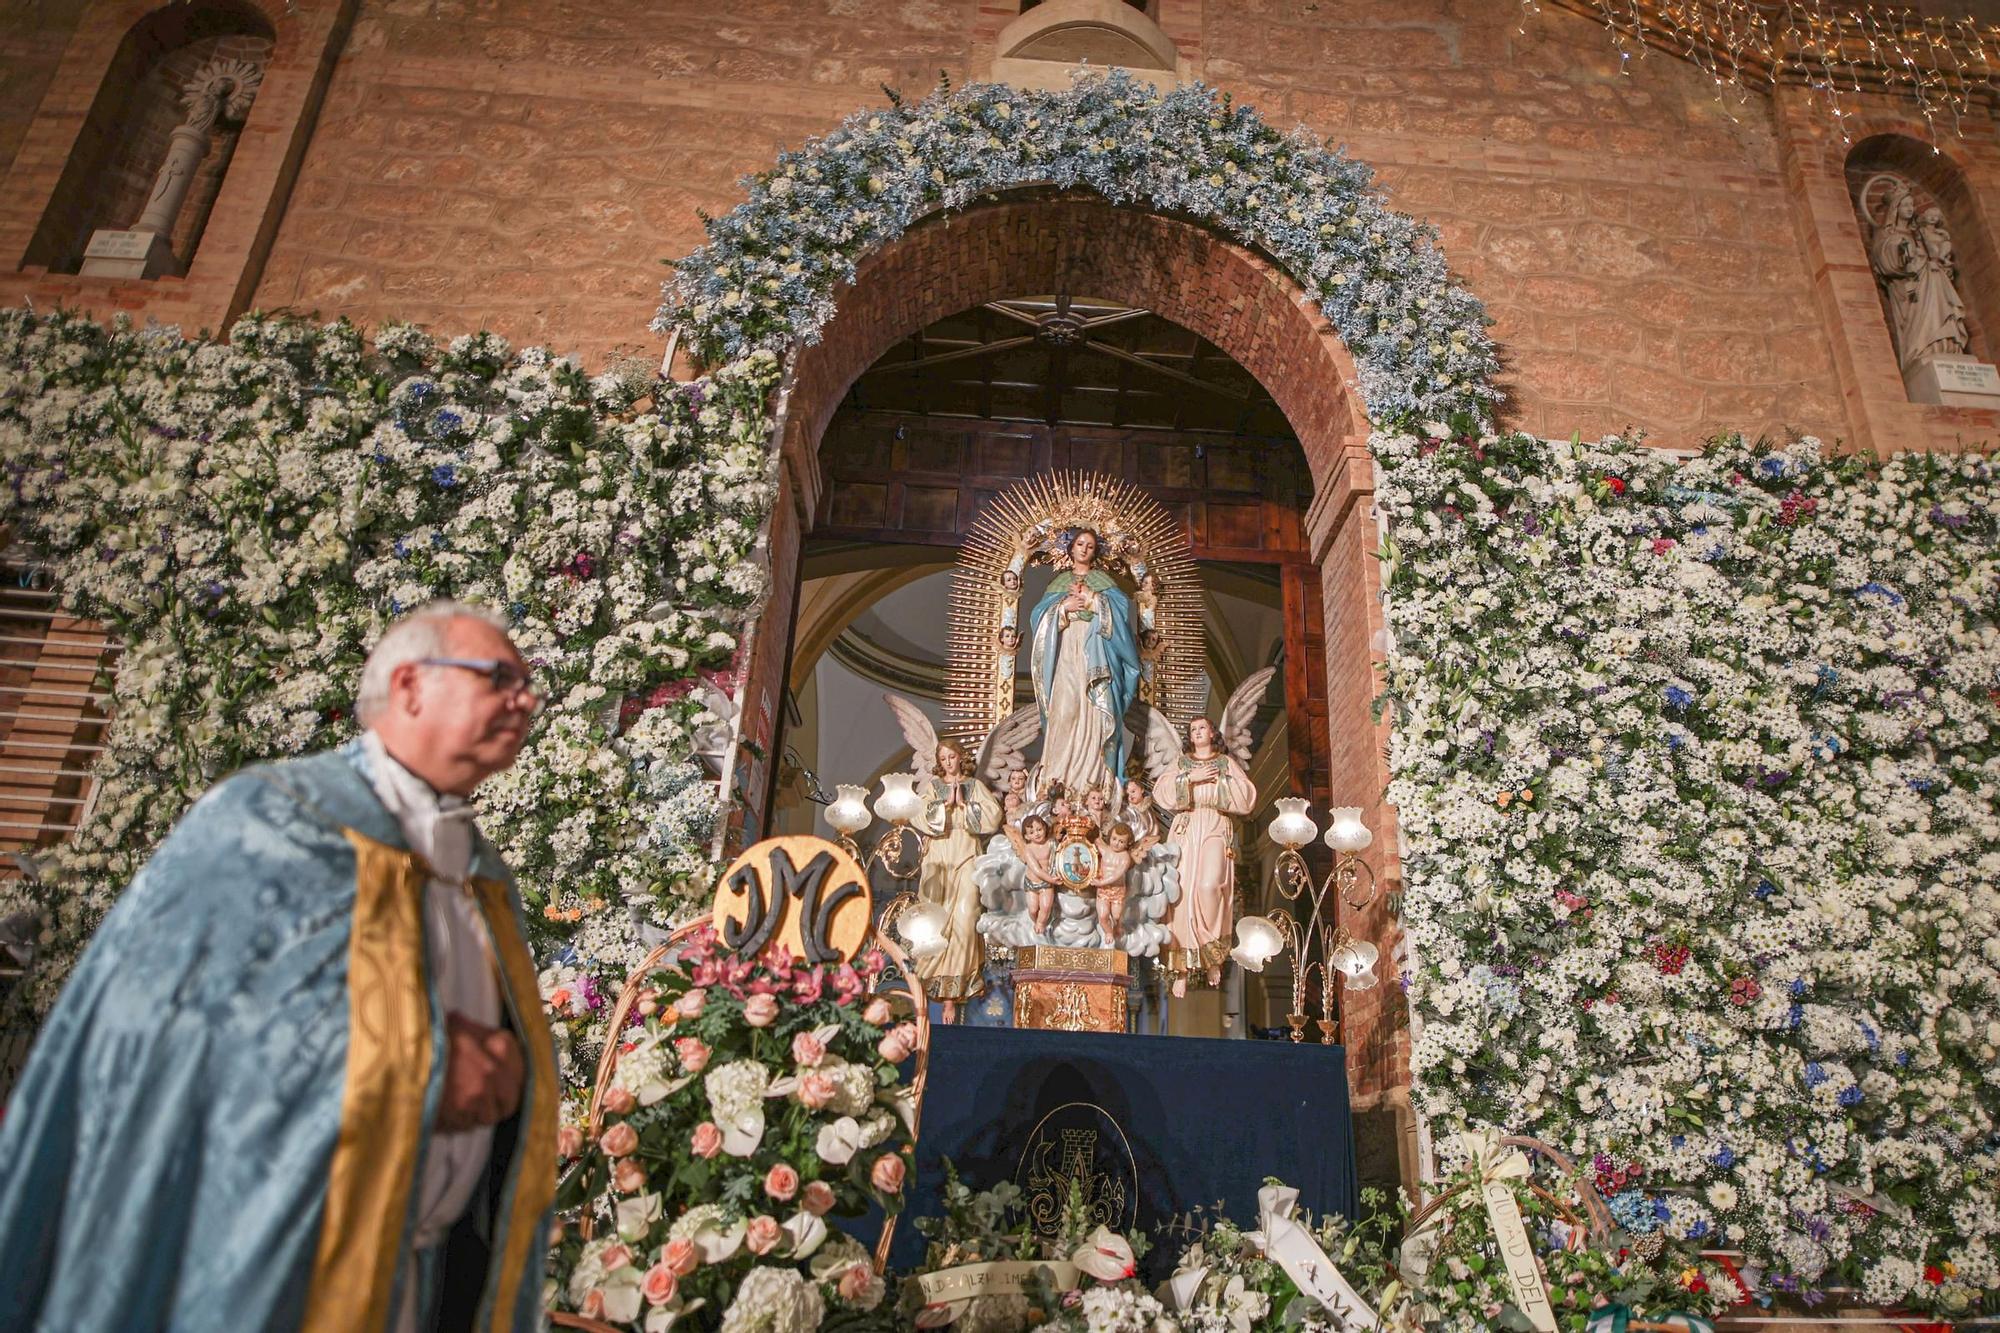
422, 633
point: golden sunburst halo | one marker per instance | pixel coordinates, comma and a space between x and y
1026, 525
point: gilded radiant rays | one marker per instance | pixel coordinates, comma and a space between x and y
1025, 526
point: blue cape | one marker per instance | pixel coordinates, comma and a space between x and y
222, 1124
1112, 660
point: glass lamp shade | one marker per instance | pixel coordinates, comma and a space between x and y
1356, 961
849, 812
1257, 942
899, 802
1347, 833
923, 926
1292, 827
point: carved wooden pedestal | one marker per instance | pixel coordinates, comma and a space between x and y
1070, 990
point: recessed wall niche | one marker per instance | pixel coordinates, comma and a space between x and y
156, 145
1935, 273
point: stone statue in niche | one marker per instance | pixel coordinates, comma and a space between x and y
221, 90
1914, 261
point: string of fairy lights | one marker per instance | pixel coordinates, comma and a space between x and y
1945, 66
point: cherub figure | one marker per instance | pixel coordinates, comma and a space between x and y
1097, 807
1031, 844
1116, 857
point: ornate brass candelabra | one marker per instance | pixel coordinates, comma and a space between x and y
898, 850
1351, 884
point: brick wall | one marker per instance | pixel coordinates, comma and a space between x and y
32, 38
528, 166
1635, 243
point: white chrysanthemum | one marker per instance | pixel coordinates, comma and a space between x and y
1123, 1309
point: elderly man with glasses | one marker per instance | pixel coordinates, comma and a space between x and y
301, 1078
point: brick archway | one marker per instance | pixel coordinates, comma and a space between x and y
1044, 241
1036, 242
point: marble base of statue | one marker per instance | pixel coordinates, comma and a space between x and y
1070, 990
127, 254
1952, 381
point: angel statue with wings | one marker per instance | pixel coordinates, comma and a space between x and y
959, 812
1206, 787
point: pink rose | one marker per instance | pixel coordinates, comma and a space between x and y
616, 1257
818, 1199
816, 1089
761, 1236
569, 1141
689, 1005
896, 1045
807, 1049
628, 1177
660, 1284
693, 1053
707, 1140
619, 1140
855, 1283
781, 1182
878, 1012
620, 1101
760, 1011
593, 1304
887, 1173
680, 1256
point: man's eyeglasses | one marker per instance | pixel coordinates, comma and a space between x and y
504, 677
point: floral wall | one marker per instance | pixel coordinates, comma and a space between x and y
1696, 768
247, 516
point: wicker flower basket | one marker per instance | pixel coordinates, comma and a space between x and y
608, 1063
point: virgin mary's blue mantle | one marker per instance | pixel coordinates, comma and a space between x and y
1161, 1131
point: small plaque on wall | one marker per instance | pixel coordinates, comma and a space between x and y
127, 254
1953, 381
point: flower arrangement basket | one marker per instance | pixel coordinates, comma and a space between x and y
1599, 1226
629, 997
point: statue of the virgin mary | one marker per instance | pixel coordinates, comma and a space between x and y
1086, 671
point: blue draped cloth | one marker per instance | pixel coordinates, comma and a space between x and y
223, 1121
1154, 1127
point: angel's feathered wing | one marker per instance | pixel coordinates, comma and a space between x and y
1006, 746
919, 732
1159, 741
1240, 712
